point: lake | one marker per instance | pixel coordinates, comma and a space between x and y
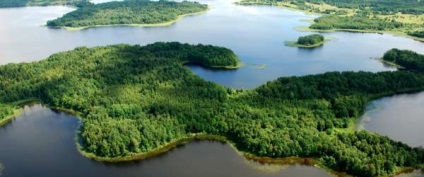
29, 149
256, 34
399, 117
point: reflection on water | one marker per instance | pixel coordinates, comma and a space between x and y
400, 117
40, 143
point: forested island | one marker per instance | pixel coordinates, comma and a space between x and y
394, 16
309, 41
130, 12
23, 3
138, 101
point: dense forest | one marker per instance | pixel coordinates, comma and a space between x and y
127, 12
22, 3
365, 15
134, 99
312, 39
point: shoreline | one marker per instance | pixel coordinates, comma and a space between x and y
168, 23
238, 65
295, 44
182, 141
206, 137
18, 110
309, 161
12, 117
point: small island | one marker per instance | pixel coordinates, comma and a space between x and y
128, 13
309, 41
23, 3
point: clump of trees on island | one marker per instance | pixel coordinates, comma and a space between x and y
310, 40
136, 99
127, 12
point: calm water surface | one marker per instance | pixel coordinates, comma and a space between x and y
40, 143
401, 117
256, 34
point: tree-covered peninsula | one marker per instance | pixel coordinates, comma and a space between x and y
22, 3
395, 16
130, 12
309, 41
136, 101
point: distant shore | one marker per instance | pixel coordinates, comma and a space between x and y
310, 12
168, 23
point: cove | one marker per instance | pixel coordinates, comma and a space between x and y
40, 143
399, 117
